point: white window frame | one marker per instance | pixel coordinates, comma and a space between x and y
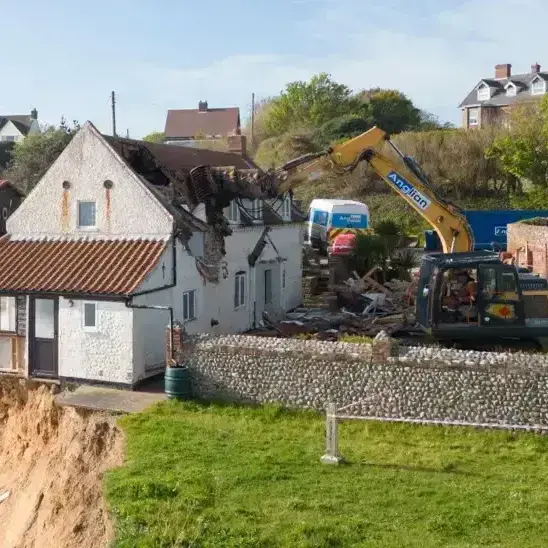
240, 287
189, 297
511, 90
87, 227
538, 80
484, 93
470, 110
90, 328
233, 212
11, 306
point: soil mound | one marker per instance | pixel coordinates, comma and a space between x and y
52, 460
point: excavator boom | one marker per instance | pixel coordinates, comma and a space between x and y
401, 174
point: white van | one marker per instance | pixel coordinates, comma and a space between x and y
329, 218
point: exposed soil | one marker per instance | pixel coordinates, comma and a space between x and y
52, 460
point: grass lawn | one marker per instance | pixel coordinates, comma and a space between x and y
215, 476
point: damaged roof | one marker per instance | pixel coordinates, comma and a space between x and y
82, 266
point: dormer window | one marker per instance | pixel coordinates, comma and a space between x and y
511, 90
484, 93
538, 86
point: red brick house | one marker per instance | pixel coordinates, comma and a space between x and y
491, 98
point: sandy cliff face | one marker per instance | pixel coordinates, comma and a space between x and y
52, 460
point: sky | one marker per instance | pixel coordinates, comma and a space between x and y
64, 57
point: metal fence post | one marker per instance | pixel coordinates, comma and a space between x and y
331, 437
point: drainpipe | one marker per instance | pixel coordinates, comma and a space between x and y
173, 269
129, 304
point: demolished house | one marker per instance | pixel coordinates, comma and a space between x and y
120, 237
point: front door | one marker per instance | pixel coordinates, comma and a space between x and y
43, 343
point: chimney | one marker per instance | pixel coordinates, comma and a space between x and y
202, 106
535, 69
237, 144
503, 71
34, 114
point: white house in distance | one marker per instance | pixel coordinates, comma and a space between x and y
117, 236
15, 127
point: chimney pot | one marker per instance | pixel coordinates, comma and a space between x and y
535, 68
202, 106
237, 144
503, 71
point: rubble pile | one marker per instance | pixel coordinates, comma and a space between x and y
360, 306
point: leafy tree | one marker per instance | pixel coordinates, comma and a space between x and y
308, 105
341, 128
522, 150
155, 137
6, 148
33, 156
430, 122
391, 110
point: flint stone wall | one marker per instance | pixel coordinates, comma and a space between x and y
376, 380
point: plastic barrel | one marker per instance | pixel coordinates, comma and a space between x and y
177, 383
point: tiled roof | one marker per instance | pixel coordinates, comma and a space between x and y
82, 266
523, 82
191, 122
22, 122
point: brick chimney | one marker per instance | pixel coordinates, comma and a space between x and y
202, 106
503, 71
535, 68
237, 144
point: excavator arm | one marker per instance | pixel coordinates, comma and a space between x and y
401, 174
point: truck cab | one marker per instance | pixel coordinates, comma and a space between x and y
463, 296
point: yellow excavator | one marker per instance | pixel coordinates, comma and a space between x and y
503, 301
400, 172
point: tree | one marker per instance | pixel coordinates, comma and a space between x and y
308, 105
522, 150
6, 149
155, 137
33, 156
430, 122
391, 110
275, 151
341, 128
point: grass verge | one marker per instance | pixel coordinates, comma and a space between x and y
212, 476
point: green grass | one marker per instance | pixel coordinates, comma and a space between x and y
221, 476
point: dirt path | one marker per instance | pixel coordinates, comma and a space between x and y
52, 462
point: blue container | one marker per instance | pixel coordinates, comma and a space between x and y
489, 227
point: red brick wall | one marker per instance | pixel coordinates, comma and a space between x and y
530, 244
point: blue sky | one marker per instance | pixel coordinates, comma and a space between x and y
64, 57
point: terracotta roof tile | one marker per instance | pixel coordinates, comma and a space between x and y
109, 267
191, 122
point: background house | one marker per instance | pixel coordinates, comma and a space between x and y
490, 100
184, 126
15, 127
10, 198
113, 241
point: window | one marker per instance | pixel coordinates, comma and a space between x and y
9, 138
233, 214
189, 305
484, 93
473, 117
4, 213
7, 314
86, 215
239, 289
511, 90
538, 86
90, 316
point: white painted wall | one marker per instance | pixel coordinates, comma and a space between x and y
86, 163
103, 355
9, 130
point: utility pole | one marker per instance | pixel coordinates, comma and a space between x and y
113, 101
252, 119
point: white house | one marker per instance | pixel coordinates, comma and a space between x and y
15, 127
111, 243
